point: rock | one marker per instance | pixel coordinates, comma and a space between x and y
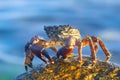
71, 71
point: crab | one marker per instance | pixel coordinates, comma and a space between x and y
70, 37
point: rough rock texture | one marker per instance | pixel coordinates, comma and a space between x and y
71, 70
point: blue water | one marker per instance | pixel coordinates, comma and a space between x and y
20, 20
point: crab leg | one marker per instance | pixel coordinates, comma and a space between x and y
85, 42
28, 57
96, 47
93, 54
80, 52
107, 53
28, 62
54, 49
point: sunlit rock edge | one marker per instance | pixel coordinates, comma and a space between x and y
71, 70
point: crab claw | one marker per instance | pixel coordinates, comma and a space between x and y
26, 68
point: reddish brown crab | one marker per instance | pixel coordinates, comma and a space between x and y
71, 37
67, 37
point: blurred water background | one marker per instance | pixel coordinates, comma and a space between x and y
22, 19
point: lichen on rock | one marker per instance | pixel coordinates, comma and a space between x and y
72, 70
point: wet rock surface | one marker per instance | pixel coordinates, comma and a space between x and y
72, 70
